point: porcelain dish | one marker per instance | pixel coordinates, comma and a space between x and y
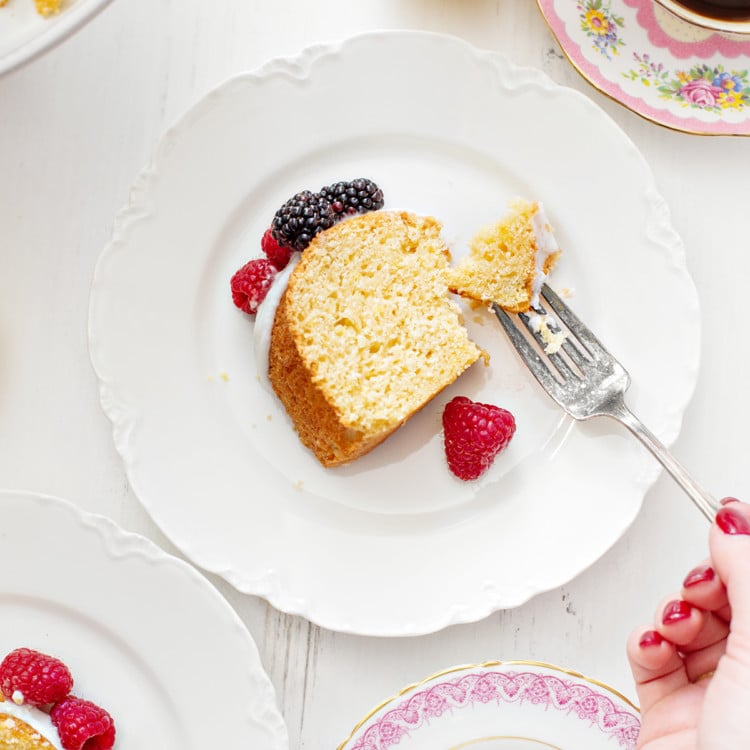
144, 635
24, 34
672, 72
514, 705
369, 548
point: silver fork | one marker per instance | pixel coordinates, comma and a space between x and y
590, 382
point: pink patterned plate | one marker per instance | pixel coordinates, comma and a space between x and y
669, 71
514, 705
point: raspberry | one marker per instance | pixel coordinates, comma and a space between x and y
278, 254
251, 284
301, 218
353, 197
29, 676
474, 434
82, 724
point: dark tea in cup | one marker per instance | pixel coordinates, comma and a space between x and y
722, 15
719, 8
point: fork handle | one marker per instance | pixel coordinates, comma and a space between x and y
702, 499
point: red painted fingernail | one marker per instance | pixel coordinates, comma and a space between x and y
676, 611
701, 574
651, 638
727, 500
731, 521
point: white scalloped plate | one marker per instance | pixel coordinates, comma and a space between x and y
666, 69
392, 544
144, 635
513, 705
24, 34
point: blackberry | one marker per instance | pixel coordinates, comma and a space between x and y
353, 197
301, 218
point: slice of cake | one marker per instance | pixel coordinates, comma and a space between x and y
509, 260
26, 728
366, 333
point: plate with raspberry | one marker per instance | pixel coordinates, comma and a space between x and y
39, 710
106, 648
370, 546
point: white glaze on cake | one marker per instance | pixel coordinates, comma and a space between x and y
264, 318
546, 245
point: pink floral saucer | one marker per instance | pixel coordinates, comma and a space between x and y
663, 68
514, 705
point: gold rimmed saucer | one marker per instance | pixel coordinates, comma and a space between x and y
502, 705
641, 53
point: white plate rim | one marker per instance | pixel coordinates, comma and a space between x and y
127, 547
58, 30
122, 417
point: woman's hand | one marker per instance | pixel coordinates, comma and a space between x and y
692, 665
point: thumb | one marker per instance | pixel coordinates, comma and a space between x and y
721, 726
729, 541
730, 553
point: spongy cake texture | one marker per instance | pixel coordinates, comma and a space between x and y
16, 734
366, 333
505, 260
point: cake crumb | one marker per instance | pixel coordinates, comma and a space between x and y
549, 331
298, 484
48, 8
224, 377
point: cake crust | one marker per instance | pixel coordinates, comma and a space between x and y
316, 421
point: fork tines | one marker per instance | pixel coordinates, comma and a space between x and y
586, 380
579, 351
573, 323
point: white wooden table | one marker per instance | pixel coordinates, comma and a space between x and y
78, 124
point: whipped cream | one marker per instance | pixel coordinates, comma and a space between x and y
546, 245
264, 318
34, 717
